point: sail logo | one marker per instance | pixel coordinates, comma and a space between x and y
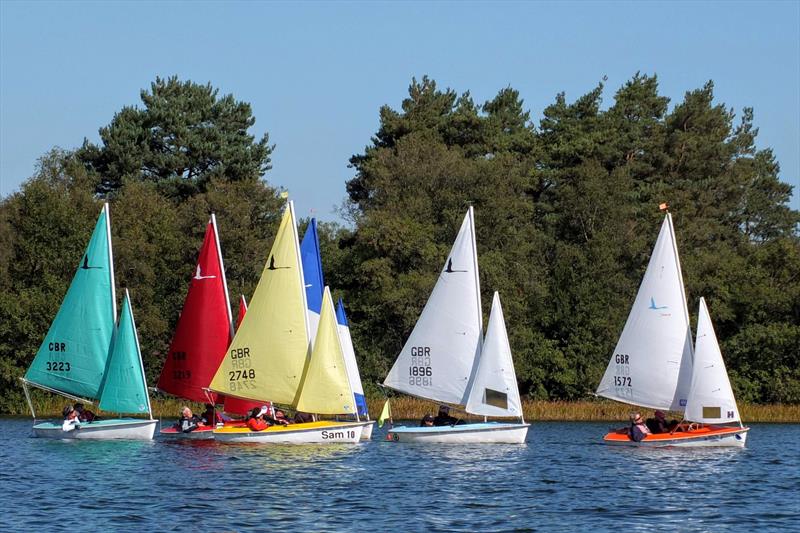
272, 264
449, 268
199, 274
85, 265
655, 307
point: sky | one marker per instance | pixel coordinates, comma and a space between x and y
317, 73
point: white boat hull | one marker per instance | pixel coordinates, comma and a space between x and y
323, 432
484, 433
121, 428
366, 432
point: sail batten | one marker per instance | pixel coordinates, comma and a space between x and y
652, 362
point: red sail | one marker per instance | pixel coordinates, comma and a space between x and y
203, 332
235, 405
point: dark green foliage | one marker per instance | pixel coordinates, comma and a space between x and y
566, 218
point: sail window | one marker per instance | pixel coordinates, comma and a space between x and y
712, 412
495, 398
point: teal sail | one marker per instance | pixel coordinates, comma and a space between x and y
124, 389
73, 356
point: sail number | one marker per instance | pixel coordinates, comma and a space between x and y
178, 356
622, 381
181, 374
420, 373
235, 375
58, 366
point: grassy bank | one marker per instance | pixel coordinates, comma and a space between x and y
406, 408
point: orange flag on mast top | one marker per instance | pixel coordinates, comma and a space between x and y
663, 207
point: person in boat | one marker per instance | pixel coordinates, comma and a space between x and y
638, 430
427, 421
71, 420
659, 423
443, 417
211, 417
188, 422
280, 418
84, 415
256, 420
302, 418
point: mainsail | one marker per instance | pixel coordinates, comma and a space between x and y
711, 397
312, 275
269, 351
326, 386
124, 387
494, 390
204, 329
652, 362
73, 355
438, 359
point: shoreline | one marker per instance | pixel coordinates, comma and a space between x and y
407, 408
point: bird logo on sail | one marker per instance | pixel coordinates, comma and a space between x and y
272, 264
655, 307
449, 268
85, 265
199, 275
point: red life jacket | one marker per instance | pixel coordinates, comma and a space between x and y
256, 424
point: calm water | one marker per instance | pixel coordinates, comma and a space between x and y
562, 480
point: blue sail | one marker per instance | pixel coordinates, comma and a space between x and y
312, 272
350, 359
124, 388
73, 355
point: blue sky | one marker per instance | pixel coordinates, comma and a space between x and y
316, 73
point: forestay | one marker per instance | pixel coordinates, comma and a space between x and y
124, 387
266, 358
711, 398
326, 386
652, 361
494, 390
438, 358
73, 356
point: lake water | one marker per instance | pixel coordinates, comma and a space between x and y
564, 479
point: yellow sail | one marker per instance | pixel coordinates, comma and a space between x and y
326, 387
266, 358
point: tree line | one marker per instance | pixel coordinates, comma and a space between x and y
566, 215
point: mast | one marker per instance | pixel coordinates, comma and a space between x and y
680, 277
222, 270
111, 265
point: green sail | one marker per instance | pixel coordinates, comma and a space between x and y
73, 356
124, 389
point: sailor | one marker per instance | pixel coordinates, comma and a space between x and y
427, 421
187, 422
71, 420
256, 421
84, 415
443, 417
638, 430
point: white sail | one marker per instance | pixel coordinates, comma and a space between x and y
494, 390
652, 361
711, 398
439, 356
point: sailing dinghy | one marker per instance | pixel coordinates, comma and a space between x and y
269, 356
86, 357
314, 283
446, 359
202, 335
655, 366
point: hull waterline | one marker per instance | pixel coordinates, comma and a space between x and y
703, 437
485, 433
322, 432
112, 429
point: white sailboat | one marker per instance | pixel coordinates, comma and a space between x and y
446, 359
269, 357
654, 365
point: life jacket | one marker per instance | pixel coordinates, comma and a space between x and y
256, 424
637, 432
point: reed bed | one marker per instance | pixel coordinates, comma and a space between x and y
408, 408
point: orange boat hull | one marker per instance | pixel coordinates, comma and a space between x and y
699, 436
